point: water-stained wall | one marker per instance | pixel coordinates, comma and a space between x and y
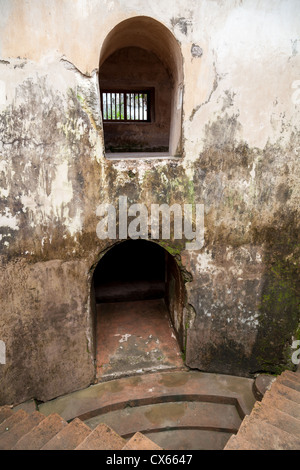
239, 157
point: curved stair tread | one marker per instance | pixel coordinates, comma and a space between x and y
272, 424
154, 388
190, 439
172, 415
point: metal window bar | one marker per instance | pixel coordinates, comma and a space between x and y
125, 106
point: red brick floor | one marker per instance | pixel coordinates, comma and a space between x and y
135, 337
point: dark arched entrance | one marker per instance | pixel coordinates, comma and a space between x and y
139, 296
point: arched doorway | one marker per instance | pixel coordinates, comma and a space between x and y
141, 85
139, 298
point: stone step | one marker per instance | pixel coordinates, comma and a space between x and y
289, 382
236, 442
169, 425
205, 421
33, 431
5, 412
41, 434
190, 439
102, 438
281, 403
286, 392
173, 415
179, 405
274, 422
266, 436
29, 406
291, 376
270, 414
69, 437
12, 420
19, 429
152, 388
140, 442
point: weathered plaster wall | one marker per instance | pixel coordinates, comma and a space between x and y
240, 158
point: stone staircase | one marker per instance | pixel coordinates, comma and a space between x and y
20, 430
274, 422
177, 410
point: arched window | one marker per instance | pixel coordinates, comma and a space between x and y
140, 77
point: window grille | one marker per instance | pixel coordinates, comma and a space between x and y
126, 106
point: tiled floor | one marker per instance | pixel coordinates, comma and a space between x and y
135, 337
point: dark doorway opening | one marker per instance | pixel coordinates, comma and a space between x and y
134, 270
138, 292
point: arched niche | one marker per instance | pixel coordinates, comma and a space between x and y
141, 55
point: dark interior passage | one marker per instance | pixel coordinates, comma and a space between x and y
138, 305
132, 270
